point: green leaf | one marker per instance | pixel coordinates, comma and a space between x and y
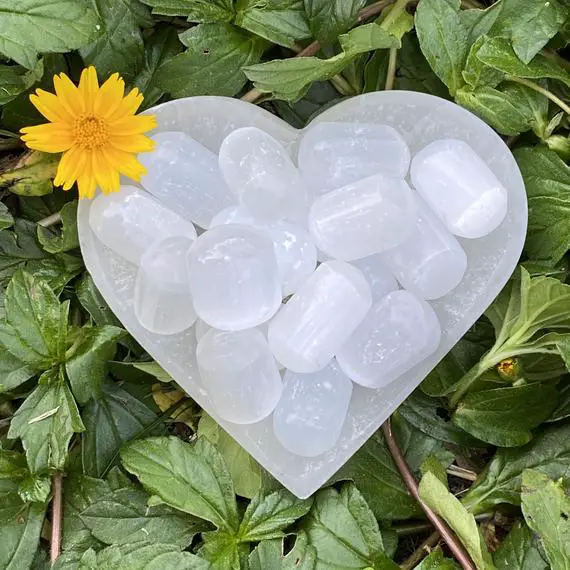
529, 24
377, 478
13, 465
519, 550
447, 506
422, 412
270, 554
437, 561
562, 411
444, 39
160, 47
546, 509
46, 421
6, 218
244, 470
266, 517
36, 323
506, 416
47, 26
124, 517
190, 477
330, 18
547, 181
344, 531
478, 74
86, 366
500, 482
213, 62
57, 242
223, 551
15, 80
201, 11
283, 22
35, 488
111, 420
13, 371
20, 528
120, 47
498, 54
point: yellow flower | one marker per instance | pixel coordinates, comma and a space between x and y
96, 130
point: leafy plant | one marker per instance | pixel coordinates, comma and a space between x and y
99, 447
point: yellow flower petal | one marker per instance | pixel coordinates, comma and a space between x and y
70, 165
133, 125
110, 96
68, 94
89, 88
106, 176
125, 163
132, 143
129, 106
51, 137
51, 107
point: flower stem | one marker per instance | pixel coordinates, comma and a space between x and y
56, 516
532, 85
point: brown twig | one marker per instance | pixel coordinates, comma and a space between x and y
253, 95
421, 551
56, 516
446, 533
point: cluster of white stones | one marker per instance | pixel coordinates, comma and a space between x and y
229, 244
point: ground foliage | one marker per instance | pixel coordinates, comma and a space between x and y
152, 482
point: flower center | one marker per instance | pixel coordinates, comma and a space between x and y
90, 132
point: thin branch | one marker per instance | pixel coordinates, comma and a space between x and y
407, 529
421, 551
540, 89
446, 533
342, 85
50, 220
56, 516
391, 73
462, 473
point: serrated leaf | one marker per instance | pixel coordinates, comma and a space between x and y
213, 62
47, 26
266, 517
244, 470
447, 506
344, 532
547, 181
190, 477
283, 22
519, 550
58, 241
124, 517
500, 482
505, 416
86, 367
546, 509
201, 11
270, 554
111, 420
223, 550
120, 46
20, 528
46, 421
330, 18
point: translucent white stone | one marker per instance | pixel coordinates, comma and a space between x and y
460, 188
163, 303
201, 329
312, 410
234, 277
240, 374
332, 155
260, 173
130, 221
318, 319
367, 217
398, 332
294, 248
431, 262
378, 275
185, 176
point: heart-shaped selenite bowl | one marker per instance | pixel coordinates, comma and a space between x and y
420, 119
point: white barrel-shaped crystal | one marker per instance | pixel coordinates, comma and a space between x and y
398, 332
130, 221
234, 277
311, 412
318, 319
332, 155
185, 175
364, 218
240, 374
431, 262
460, 188
377, 274
261, 174
294, 248
163, 303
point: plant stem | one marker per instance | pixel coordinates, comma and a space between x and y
50, 220
56, 516
342, 85
420, 552
391, 73
446, 533
395, 12
532, 85
417, 527
462, 473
